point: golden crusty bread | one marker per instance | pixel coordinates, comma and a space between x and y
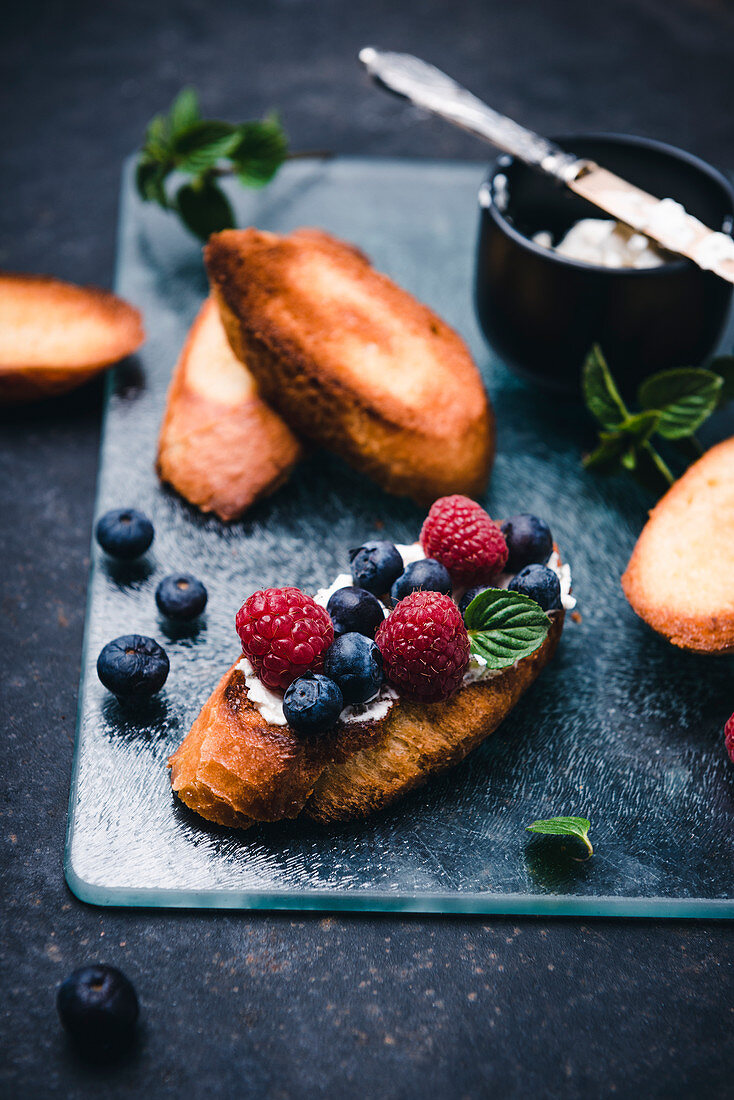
353, 362
220, 446
680, 578
55, 335
235, 769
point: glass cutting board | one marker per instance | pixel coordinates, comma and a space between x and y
621, 727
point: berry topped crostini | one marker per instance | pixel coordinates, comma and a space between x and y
344, 701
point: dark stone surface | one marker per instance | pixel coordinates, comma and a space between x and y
272, 1005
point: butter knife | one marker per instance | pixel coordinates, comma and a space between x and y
663, 220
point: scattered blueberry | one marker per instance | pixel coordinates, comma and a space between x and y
355, 664
469, 595
355, 610
312, 704
376, 566
180, 596
133, 666
99, 1008
124, 533
528, 539
428, 575
539, 583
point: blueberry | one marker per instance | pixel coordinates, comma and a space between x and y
312, 704
133, 666
355, 610
376, 566
539, 583
124, 533
469, 595
180, 596
355, 664
528, 539
99, 1008
428, 575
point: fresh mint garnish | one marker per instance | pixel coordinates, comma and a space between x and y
205, 150
683, 399
564, 826
260, 151
601, 394
504, 626
622, 446
674, 405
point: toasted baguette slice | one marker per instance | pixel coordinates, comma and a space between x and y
353, 362
680, 578
221, 447
236, 769
54, 335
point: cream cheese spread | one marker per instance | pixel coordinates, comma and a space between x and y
270, 704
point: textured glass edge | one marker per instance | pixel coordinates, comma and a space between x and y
340, 901
337, 901
109, 385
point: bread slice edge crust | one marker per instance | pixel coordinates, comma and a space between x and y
357, 771
705, 633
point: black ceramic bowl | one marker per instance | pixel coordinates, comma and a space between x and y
542, 312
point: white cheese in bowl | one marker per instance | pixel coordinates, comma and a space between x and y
605, 243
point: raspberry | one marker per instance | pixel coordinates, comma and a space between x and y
424, 646
284, 633
729, 737
459, 533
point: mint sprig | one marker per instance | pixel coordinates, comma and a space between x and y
564, 826
205, 150
504, 626
674, 405
683, 398
600, 392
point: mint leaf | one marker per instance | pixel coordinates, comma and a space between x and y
600, 393
202, 145
620, 446
628, 458
675, 404
204, 209
639, 427
564, 826
260, 151
684, 398
182, 140
150, 177
157, 138
504, 626
184, 111
607, 456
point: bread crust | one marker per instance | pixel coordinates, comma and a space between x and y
680, 577
353, 362
55, 335
220, 446
235, 769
